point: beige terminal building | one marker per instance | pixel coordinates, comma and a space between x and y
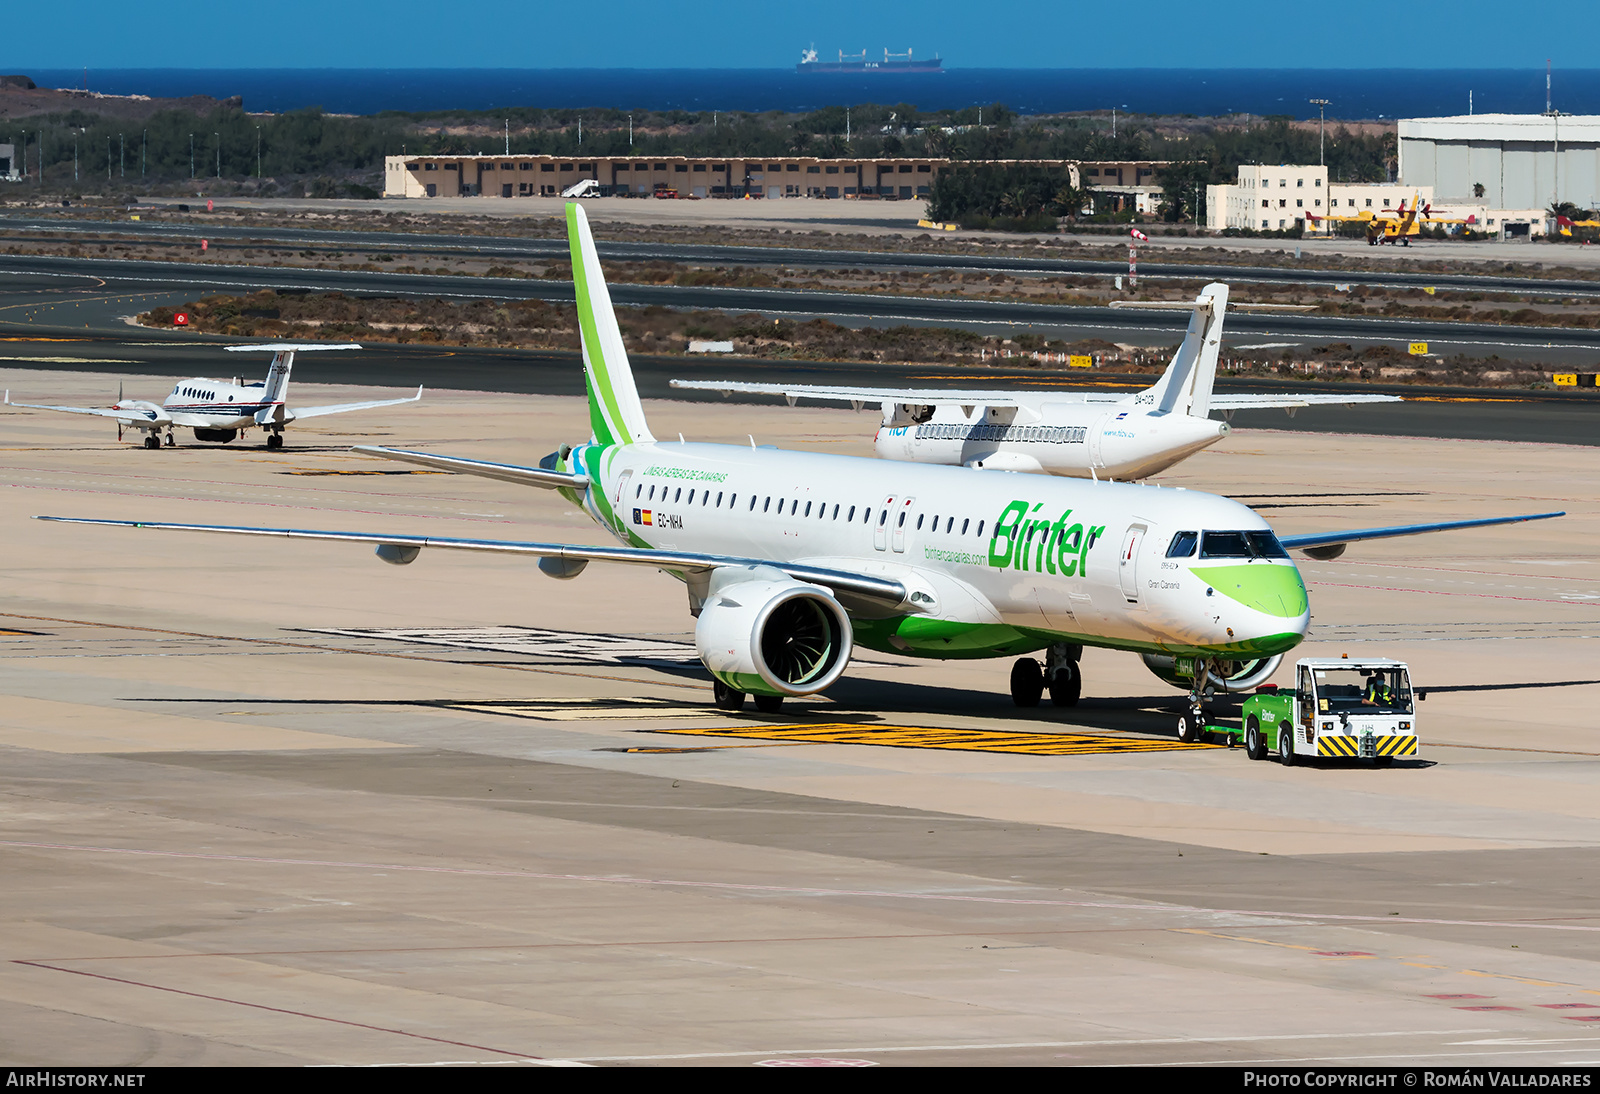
708, 177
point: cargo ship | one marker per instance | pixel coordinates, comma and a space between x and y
892, 63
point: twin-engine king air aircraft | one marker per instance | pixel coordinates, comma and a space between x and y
1094, 434
220, 411
791, 559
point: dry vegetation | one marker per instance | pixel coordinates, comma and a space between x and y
544, 326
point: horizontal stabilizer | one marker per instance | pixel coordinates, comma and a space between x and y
505, 472
294, 347
1261, 402
863, 395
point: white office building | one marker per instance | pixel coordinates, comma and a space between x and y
1268, 198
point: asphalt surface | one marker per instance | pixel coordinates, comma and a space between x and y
34, 279
224, 236
1555, 417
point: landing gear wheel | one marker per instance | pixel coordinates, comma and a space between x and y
1066, 684
172, 442
769, 704
1286, 745
152, 441
1027, 682
274, 440
1190, 727
726, 698
1254, 746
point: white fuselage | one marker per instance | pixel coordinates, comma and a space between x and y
215, 404
1078, 440
1085, 561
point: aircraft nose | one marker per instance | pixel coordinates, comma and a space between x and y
1271, 588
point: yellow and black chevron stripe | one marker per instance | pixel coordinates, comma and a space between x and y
966, 740
1399, 744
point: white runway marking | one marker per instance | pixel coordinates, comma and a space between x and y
561, 647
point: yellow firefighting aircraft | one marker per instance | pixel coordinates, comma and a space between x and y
1396, 226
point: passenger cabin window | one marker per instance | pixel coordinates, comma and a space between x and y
1241, 545
766, 505
852, 515
980, 529
964, 524
836, 511
1183, 544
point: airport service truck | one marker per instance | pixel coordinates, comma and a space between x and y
1339, 707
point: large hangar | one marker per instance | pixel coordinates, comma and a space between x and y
1521, 161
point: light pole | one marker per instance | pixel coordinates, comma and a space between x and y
630, 130
219, 154
1321, 105
122, 157
75, 156
143, 134
191, 155
258, 151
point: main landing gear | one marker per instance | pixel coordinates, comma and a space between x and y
152, 441
1060, 673
726, 698
274, 440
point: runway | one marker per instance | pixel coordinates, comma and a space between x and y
225, 236
49, 293
281, 804
1561, 416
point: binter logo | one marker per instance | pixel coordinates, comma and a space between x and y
1025, 540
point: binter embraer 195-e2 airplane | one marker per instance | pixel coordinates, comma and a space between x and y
1084, 434
791, 559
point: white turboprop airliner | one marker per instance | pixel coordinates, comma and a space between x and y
791, 559
220, 410
1093, 434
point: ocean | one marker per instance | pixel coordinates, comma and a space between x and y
1354, 93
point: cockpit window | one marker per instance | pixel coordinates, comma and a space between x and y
1240, 545
1183, 544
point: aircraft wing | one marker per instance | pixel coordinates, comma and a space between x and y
883, 590
858, 396
1321, 540
140, 414
1256, 402
505, 472
339, 408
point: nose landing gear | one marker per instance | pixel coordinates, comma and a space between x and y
1192, 722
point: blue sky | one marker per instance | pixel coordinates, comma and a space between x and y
720, 34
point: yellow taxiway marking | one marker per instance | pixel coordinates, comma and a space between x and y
964, 740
